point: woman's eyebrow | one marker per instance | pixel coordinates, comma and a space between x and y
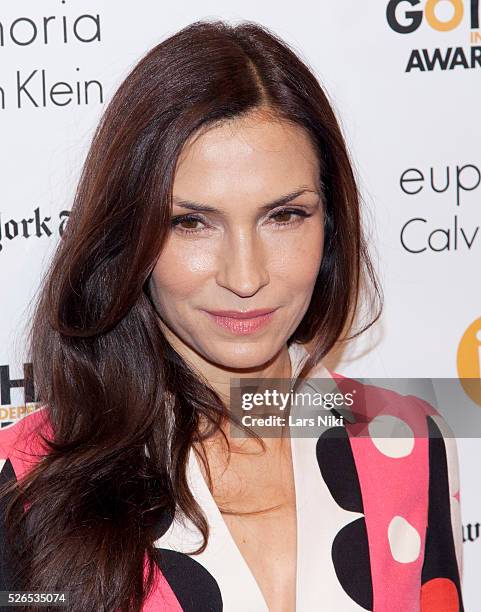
282, 200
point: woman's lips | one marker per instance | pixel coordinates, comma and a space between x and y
242, 323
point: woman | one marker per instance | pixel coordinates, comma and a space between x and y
215, 234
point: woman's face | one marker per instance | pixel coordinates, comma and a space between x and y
242, 248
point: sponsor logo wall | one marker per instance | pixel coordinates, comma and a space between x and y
403, 75
458, 16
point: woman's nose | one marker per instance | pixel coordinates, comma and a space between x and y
242, 263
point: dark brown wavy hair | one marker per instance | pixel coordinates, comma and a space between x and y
103, 369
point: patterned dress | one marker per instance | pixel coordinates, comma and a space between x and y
378, 519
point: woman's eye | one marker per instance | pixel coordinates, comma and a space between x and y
284, 217
190, 221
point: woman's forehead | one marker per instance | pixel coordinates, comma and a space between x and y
247, 139
261, 158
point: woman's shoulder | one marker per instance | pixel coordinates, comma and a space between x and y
21, 443
403, 439
382, 410
406, 458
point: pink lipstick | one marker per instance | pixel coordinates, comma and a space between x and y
242, 322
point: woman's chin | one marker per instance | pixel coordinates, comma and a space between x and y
253, 356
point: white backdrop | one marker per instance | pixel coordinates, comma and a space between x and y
407, 90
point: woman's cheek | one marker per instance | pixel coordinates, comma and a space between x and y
180, 269
297, 259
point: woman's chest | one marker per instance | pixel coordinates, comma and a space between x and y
338, 554
267, 543
257, 500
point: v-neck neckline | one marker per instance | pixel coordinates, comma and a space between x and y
222, 557
220, 522
297, 354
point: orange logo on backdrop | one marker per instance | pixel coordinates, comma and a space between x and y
469, 361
